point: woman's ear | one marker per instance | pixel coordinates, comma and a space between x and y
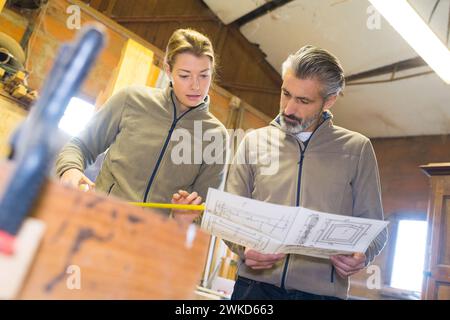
167, 70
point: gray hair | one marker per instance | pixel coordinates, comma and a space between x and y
312, 62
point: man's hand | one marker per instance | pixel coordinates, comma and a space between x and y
347, 265
76, 179
184, 197
257, 260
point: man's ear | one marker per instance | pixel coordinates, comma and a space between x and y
330, 102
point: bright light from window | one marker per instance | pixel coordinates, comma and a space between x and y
77, 115
417, 33
407, 271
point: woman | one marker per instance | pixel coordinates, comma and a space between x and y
137, 126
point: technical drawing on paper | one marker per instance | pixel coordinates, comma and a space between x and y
272, 228
228, 230
310, 223
338, 232
274, 225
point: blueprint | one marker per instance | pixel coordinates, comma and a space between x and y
272, 228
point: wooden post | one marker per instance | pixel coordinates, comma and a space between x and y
134, 68
2, 4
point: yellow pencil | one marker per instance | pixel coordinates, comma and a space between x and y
196, 207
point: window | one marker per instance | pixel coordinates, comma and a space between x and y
76, 116
409, 255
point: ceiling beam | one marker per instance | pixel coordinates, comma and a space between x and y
164, 18
258, 54
247, 87
392, 79
258, 12
388, 69
110, 8
434, 9
448, 26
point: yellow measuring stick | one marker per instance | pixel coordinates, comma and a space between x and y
197, 207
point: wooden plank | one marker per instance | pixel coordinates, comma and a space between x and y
220, 107
134, 65
252, 88
153, 76
117, 250
110, 8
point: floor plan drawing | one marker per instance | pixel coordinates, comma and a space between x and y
342, 232
273, 228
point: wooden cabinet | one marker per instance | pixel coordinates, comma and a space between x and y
436, 285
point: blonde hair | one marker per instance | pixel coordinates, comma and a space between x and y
190, 41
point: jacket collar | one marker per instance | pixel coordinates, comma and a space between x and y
172, 98
326, 121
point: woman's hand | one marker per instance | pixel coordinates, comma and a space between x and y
186, 217
76, 179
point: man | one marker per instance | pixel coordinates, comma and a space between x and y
322, 167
